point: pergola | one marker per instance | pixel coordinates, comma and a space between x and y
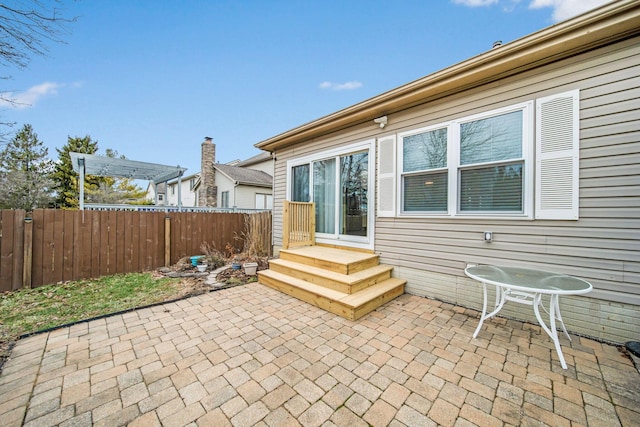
89, 164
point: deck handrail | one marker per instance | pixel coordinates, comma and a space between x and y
298, 224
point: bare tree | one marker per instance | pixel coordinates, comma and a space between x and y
25, 30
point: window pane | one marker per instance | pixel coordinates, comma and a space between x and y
354, 180
491, 139
425, 151
425, 192
324, 195
496, 188
300, 183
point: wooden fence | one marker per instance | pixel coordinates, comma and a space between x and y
51, 245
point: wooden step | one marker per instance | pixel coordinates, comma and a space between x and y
350, 306
346, 283
337, 260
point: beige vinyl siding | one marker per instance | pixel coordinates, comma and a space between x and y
602, 246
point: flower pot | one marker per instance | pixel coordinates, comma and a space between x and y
202, 267
194, 259
250, 268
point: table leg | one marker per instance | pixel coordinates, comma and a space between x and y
559, 317
484, 308
500, 300
551, 329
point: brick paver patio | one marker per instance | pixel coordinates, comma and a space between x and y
251, 356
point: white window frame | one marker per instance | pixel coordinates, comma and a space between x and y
401, 173
367, 145
222, 199
264, 199
454, 167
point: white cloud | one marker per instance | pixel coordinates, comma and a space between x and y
31, 96
475, 3
565, 9
341, 86
562, 9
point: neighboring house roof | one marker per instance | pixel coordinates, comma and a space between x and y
185, 178
601, 26
245, 176
258, 158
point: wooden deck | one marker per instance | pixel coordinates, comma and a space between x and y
347, 283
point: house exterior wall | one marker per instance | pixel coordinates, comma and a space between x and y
187, 195
240, 196
246, 195
151, 193
266, 166
225, 184
603, 246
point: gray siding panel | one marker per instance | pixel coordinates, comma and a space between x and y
603, 246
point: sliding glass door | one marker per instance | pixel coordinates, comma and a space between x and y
339, 185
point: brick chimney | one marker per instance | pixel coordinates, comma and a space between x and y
208, 192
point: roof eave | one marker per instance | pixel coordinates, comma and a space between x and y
255, 184
599, 27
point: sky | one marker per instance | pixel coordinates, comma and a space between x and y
152, 78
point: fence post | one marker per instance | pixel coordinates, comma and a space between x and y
27, 264
167, 241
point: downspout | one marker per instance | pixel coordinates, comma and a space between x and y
235, 195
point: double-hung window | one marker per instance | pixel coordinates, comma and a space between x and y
425, 171
224, 199
477, 165
492, 164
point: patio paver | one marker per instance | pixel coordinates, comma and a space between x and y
250, 355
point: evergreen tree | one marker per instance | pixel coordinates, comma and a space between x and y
66, 180
25, 172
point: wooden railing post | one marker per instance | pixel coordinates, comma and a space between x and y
27, 265
286, 226
312, 224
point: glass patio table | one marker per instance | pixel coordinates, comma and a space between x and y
527, 286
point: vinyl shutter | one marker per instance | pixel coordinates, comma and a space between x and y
387, 176
557, 156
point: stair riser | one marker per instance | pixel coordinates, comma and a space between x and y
333, 306
377, 302
331, 266
319, 301
332, 284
